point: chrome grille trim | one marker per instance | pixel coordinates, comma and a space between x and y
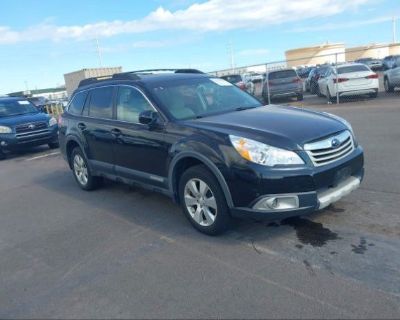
32, 134
322, 152
22, 128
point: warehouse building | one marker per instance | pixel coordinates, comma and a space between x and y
72, 79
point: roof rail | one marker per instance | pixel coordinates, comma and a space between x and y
88, 81
151, 71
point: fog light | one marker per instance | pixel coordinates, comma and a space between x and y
3, 143
284, 202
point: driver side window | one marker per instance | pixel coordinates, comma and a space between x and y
130, 103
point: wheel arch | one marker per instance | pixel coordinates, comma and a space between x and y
187, 159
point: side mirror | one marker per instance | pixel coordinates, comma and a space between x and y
148, 117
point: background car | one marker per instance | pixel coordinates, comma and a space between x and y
374, 64
283, 83
22, 126
241, 81
349, 80
391, 78
38, 102
314, 76
388, 62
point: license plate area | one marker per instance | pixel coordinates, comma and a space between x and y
341, 175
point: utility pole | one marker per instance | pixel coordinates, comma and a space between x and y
98, 50
394, 29
232, 55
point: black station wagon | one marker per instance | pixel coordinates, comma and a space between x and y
211, 147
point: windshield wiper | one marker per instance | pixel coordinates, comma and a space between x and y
244, 108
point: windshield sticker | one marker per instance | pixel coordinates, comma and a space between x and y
221, 82
23, 102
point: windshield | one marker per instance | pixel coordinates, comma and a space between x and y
16, 107
196, 98
282, 74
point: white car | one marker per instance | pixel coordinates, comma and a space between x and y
351, 79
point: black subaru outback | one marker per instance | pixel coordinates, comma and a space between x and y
210, 146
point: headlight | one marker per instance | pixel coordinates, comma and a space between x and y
52, 122
5, 129
264, 154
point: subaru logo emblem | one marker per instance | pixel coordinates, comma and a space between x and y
335, 143
31, 126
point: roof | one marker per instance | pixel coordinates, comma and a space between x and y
141, 79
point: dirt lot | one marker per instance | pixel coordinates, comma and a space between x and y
125, 252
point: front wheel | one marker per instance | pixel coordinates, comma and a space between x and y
81, 171
203, 201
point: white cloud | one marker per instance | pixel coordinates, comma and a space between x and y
346, 25
212, 15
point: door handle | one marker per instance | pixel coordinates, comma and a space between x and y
116, 132
81, 126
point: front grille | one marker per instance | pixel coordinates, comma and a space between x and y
329, 150
32, 135
29, 127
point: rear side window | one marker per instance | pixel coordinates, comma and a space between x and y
101, 103
77, 103
349, 69
282, 74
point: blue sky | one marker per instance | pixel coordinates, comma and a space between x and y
42, 40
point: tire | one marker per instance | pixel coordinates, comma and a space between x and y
300, 97
319, 94
197, 188
82, 172
54, 145
373, 95
388, 87
329, 97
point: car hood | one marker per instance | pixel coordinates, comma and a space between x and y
20, 119
279, 126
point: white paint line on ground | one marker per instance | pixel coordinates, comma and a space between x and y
43, 156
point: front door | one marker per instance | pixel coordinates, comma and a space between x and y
140, 150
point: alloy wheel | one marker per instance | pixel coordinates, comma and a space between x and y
200, 202
80, 170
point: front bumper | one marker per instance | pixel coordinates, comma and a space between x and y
313, 189
13, 141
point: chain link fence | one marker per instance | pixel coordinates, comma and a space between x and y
342, 75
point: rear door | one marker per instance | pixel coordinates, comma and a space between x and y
97, 128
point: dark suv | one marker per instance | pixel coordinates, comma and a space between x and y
208, 145
22, 125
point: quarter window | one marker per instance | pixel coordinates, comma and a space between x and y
77, 103
101, 103
130, 103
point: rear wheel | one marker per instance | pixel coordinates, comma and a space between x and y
329, 97
373, 95
82, 172
388, 87
203, 201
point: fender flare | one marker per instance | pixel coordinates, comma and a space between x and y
209, 164
76, 140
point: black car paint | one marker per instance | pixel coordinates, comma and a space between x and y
165, 145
